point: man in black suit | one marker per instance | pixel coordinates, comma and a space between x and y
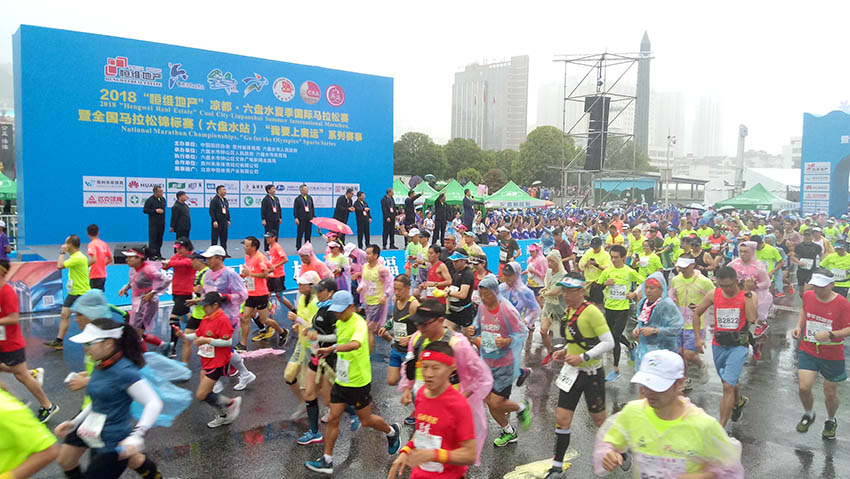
270, 214
155, 209
364, 217
181, 220
410, 211
304, 211
344, 206
220, 216
388, 210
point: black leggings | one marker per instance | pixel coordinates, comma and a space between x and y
105, 465
439, 232
617, 324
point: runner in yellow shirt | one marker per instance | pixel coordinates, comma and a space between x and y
689, 287
594, 261
839, 264
26, 445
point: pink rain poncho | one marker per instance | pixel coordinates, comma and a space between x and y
521, 296
505, 322
476, 382
340, 267
315, 264
148, 277
755, 269
227, 282
537, 267
357, 259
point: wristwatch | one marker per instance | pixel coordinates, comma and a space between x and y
585, 356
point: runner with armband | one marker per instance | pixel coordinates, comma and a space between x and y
734, 310
588, 338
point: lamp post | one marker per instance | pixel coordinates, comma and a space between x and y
671, 140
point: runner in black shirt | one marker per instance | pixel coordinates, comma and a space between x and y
461, 309
805, 257
508, 248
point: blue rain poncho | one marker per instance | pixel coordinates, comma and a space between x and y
664, 315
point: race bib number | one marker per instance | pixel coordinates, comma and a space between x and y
839, 274
658, 467
342, 370
422, 440
806, 263
687, 314
580, 252
89, 431
503, 256
314, 348
766, 264
371, 288
2, 333
249, 283
814, 327
488, 341
728, 318
206, 351
618, 291
566, 378
476, 297
70, 284
399, 330
643, 262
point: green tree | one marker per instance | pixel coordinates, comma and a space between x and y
620, 154
544, 147
461, 153
494, 179
417, 154
469, 174
502, 160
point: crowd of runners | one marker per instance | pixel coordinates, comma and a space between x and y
642, 288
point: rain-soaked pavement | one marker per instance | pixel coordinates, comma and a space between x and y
261, 443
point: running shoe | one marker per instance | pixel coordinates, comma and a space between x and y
233, 410
612, 376
554, 473
829, 428
171, 351
55, 344
627, 461
218, 387
756, 351
355, 422
703, 373
46, 413
232, 371
38, 375
524, 373
217, 422
326, 416
738, 410
410, 421
688, 386
761, 327
791, 290
310, 437
632, 352
505, 438
394, 442
298, 414
240, 348
281, 338
546, 360
244, 381
320, 465
525, 416
263, 334
805, 422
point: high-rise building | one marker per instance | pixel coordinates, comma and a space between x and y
550, 105
667, 117
792, 153
707, 134
490, 103
641, 112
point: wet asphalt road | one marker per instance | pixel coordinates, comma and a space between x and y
261, 443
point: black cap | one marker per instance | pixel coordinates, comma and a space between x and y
197, 256
212, 298
184, 242
756, 238
429, 309
596, 242
328, 284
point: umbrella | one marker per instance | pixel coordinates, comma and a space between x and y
430, 177
331, 224
696, 206
725, 208
536, 183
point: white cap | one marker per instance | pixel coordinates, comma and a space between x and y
2, 224
684, 262
502, 228
130, 253
348, 248
93, 333
309, 277
214, 250
821, 280
659, 369
413, 232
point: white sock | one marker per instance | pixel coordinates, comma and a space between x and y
831, 419
329, 459
810, 413
508, 429
237, 362
521, 407
392, 432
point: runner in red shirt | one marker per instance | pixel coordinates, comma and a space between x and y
12, 347
255, 271
277, 279
214, 338
182, 287
823, 324
444, 442
99, 257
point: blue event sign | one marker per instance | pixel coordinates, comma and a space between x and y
825, 159
101, 120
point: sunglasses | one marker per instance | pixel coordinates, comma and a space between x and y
94, 341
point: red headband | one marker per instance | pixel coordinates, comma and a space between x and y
438, 356
653, 281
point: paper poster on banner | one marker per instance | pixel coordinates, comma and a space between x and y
103, 200
323, 201
253, 187
339, 188
182, 184
817, 196
817, 168
287, 201
816, 178
104, 183
320, 188
232, 186
232, 200
288, 187
136, 183
193, 200
251, 201
822, 187
136, 200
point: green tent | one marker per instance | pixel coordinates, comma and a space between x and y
512, 196
8, 188
757, 198
471, 187
399, 191
454, 194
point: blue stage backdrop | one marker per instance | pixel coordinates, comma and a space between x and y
100, 120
